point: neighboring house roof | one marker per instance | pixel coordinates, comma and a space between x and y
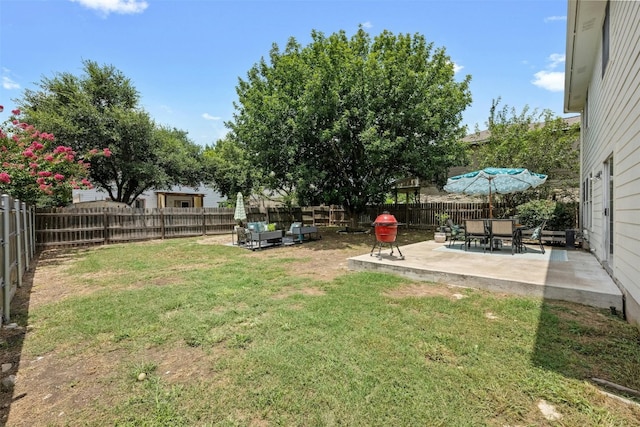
584, 29
411, 184
480, 137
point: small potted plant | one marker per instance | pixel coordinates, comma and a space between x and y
440, 236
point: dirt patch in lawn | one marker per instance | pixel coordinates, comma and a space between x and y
327, 257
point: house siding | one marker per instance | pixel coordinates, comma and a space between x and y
210, 200
613, 129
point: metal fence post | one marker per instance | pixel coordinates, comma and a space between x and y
6, 252
25, 236
16, 205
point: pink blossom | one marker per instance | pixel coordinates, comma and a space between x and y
44, 173
58, 177
1, 108
4, 177
33, 165
15, 112
48, 158
69, 157
86, 182
40, 181
45, 188
35, 145
27, 153
106, 152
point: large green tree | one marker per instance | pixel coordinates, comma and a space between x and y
340, 119
101, 109
537, 140
229, 169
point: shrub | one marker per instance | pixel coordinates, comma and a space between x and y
559, 216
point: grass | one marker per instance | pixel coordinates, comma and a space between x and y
230, 337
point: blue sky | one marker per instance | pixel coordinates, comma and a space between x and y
185, 56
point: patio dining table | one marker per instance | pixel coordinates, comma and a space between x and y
516, 235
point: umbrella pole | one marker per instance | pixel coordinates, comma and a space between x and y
490, 202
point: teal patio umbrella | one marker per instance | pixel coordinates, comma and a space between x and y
489, 181
240, 214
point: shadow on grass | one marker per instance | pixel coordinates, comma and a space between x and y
588, 344
12, 339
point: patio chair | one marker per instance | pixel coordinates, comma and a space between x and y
537, 234
241, 235
457, 232
504, 229
476, 229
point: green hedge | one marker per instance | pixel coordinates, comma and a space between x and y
559, 215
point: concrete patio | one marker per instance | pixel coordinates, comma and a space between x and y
561, 274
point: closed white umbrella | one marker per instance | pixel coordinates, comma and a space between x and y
240, 213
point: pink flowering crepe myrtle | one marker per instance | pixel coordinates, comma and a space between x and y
32, 163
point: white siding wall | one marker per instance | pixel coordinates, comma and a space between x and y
211, 197
614, 129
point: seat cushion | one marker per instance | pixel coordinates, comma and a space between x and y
536, 234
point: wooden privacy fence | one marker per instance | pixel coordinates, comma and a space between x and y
17, 248
86, 226
89, 226
425, 215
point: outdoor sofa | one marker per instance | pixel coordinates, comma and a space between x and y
299, 232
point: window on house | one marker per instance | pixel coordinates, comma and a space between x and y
605, 39
181, 203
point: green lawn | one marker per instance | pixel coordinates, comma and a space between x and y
231, 337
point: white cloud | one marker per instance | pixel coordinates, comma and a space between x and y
115, 6
548, 79
9, 84
556, 59
555, 18
208, 116
552, 81
367, 25
457, 68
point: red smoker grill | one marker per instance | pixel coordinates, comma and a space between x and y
386, 228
